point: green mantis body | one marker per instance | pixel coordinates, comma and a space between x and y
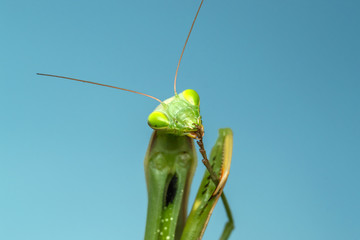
170, 164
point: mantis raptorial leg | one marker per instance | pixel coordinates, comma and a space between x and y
205, 200
170, 164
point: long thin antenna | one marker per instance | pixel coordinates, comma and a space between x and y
79, 80
192, 25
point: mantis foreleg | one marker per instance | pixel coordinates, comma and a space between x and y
205, 201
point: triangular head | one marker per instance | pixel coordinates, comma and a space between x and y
179, 115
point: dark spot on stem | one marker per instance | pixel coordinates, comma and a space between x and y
171, 190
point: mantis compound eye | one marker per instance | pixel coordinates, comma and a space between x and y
158, 120
192, 97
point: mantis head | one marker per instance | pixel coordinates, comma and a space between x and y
179, 115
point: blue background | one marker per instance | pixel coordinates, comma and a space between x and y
284, 75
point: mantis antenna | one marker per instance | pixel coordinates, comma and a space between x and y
100, 84
192, 25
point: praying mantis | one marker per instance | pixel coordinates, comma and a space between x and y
170, 163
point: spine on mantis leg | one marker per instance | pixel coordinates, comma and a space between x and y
220, 160
170, 164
